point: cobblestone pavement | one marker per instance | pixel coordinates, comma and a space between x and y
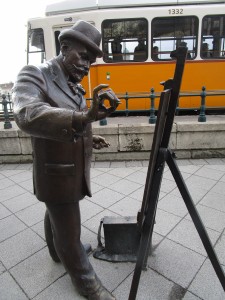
177, 269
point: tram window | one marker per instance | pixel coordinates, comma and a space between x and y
125, 40
213, 37
57, 45
168, 33
36, 46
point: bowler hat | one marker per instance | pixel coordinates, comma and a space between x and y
85, 33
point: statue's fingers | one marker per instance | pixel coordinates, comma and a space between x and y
99, 88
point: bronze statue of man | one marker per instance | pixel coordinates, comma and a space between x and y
49, 105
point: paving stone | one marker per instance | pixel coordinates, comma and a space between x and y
176, 262
105, 179
174, 205
219, 188
25, 166
20, 202
200, 182
10, 226
19, 247
61, 289
22, 176
121, 172
4, 212
214, 161
2, 268
138, 194
27, 184
220, 246
177, 254
211, 218
37, 272
183, 162
167, 185
206, 285
125, 187
214, 200
191, 169
196, 193
5, 182
223, 178
198, 161
220, 167
102, 164
118, 164
95, 187
137, 177
11, 192
9, 289
32, 214
168, 175
126, 207
88, 237
111, 274
165, 222
9, 166
207, 172
8, 173
88, 210
106, 197
95, 172
133, 163
186, 234
151, 286
93, 223
190, 296
39, 229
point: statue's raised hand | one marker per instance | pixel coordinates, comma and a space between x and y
98, 110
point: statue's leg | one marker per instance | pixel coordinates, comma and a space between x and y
50, 240
66, 226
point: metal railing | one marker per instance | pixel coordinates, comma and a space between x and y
6, 112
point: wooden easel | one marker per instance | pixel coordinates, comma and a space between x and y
160, 155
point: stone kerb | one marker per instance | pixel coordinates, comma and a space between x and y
130, 141
136, 138
201, 139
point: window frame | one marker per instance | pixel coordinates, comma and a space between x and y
210, 51
109, 58
182, 39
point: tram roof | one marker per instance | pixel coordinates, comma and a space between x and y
81, 5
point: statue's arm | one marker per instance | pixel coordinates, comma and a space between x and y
35, 116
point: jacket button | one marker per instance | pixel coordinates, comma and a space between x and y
64, 131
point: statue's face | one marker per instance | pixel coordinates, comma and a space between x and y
77, 60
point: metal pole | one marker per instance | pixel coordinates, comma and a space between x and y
202, 117
7, 124
126, 100
152, 118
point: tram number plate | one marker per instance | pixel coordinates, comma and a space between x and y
176, 11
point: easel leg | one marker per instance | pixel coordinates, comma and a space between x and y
195, 218
147, 228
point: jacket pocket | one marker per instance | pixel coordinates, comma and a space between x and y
60, 169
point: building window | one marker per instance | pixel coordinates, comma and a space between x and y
125, 40
213, 37
168, 33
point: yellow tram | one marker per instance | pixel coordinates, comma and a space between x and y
137, 39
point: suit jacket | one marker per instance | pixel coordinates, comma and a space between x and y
44, 106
